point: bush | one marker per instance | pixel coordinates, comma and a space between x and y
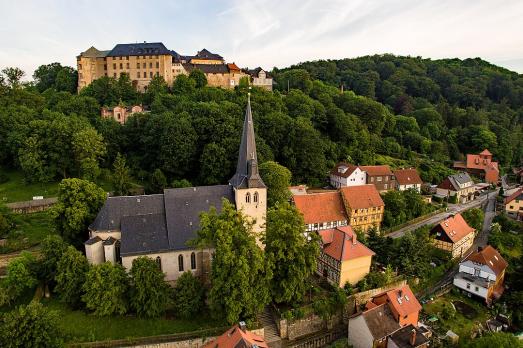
188, 295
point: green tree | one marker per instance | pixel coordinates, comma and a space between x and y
52, 249
181, 183
13, 76
155, 87
158, 182
290, 257
278, 179
89, 148
188, 296
183, 85
239, 283
32, 159
21, 276
474, 217
71, 270
78, 203
121, 179
31, 326
105, 289
149, 291
198, 77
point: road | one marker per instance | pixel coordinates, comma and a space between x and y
452, 209
481, 240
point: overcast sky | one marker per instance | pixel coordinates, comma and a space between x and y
264, 33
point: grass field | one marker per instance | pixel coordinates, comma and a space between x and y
16, 189
30, 230
80, 326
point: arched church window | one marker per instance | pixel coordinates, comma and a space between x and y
180, 263
193, 261
248, 198
255, 198
159, 262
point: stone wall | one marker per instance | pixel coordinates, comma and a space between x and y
295, 329
33, 206
362, 297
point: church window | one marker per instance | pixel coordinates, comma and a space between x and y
159, 262
248, 198
255, 198
180, 263
193, 261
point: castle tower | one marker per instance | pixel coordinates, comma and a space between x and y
250, 193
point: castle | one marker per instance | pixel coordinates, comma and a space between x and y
160, 226
142, 61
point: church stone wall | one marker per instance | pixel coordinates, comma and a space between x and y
95, 253
253, 210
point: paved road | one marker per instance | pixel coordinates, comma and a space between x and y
481, 240
452, 209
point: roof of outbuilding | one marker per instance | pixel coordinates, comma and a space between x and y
139, 49
380, 321
341, 244
320, 207
402, 337
489, 257
361, 197
407, 176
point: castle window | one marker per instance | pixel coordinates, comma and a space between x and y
193, 261
114, 66
114, 75
151, 65
248, 198
128, 66
157, 64
105, 66
150, 74
180, 263
121, 65
159, 262
143, 65
255, 198
137, 65
138, 74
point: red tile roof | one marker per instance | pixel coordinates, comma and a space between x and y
341, 244
485, 152
407, 177
402, 300
233, 66
456, 228
377, 170
514, 195
476, 162
320, 207
235, 337
360, 197
489, 257
350, 169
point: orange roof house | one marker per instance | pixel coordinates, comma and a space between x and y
321, 209
364, 206
239, 337
408, 179
343, 258
454, 235
402, 303
480, 165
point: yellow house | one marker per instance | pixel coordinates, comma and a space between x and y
453, 235
343, 259
514, 204
364, 206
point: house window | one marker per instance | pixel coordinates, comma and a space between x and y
180, 263
255, 198
385, 186
193, 261
476, 271
159, 262
378, 178
248, 198
477, 289
468, 285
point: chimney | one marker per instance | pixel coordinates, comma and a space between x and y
413, 337
243, 326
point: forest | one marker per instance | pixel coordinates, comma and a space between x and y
402, 111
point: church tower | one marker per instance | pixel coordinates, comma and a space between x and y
250, 193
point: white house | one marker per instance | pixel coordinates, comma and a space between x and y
482, 274
408, 179
347, 175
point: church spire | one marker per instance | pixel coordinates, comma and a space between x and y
247, 175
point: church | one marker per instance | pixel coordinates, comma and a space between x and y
160, 226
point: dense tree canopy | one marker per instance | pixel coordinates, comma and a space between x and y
70, 276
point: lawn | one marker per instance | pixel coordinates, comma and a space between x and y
80, 326
450, 319
16, 189
30, 230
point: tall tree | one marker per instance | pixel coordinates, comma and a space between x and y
278, 179
70, 276
89, 148
13, 76
198, 77
78, 203
188, 295
121, 179
105, 289
149, 291
290, 257
21, 276
239, 282
52, 249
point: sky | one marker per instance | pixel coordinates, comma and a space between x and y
265, 33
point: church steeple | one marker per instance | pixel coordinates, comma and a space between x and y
247, 175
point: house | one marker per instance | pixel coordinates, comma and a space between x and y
120, 113
389, 319
260, 78
160, 226
408, 337
482, 274
408, 179
364, 206
480, 165
321, 210
453, 235
403, 305
343, 259
518, 174
380, 176
459, 185
238, 336
345, 174
514, 204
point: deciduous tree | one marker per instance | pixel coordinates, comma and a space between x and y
188, 295
278, 179
121, 179
70, 276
